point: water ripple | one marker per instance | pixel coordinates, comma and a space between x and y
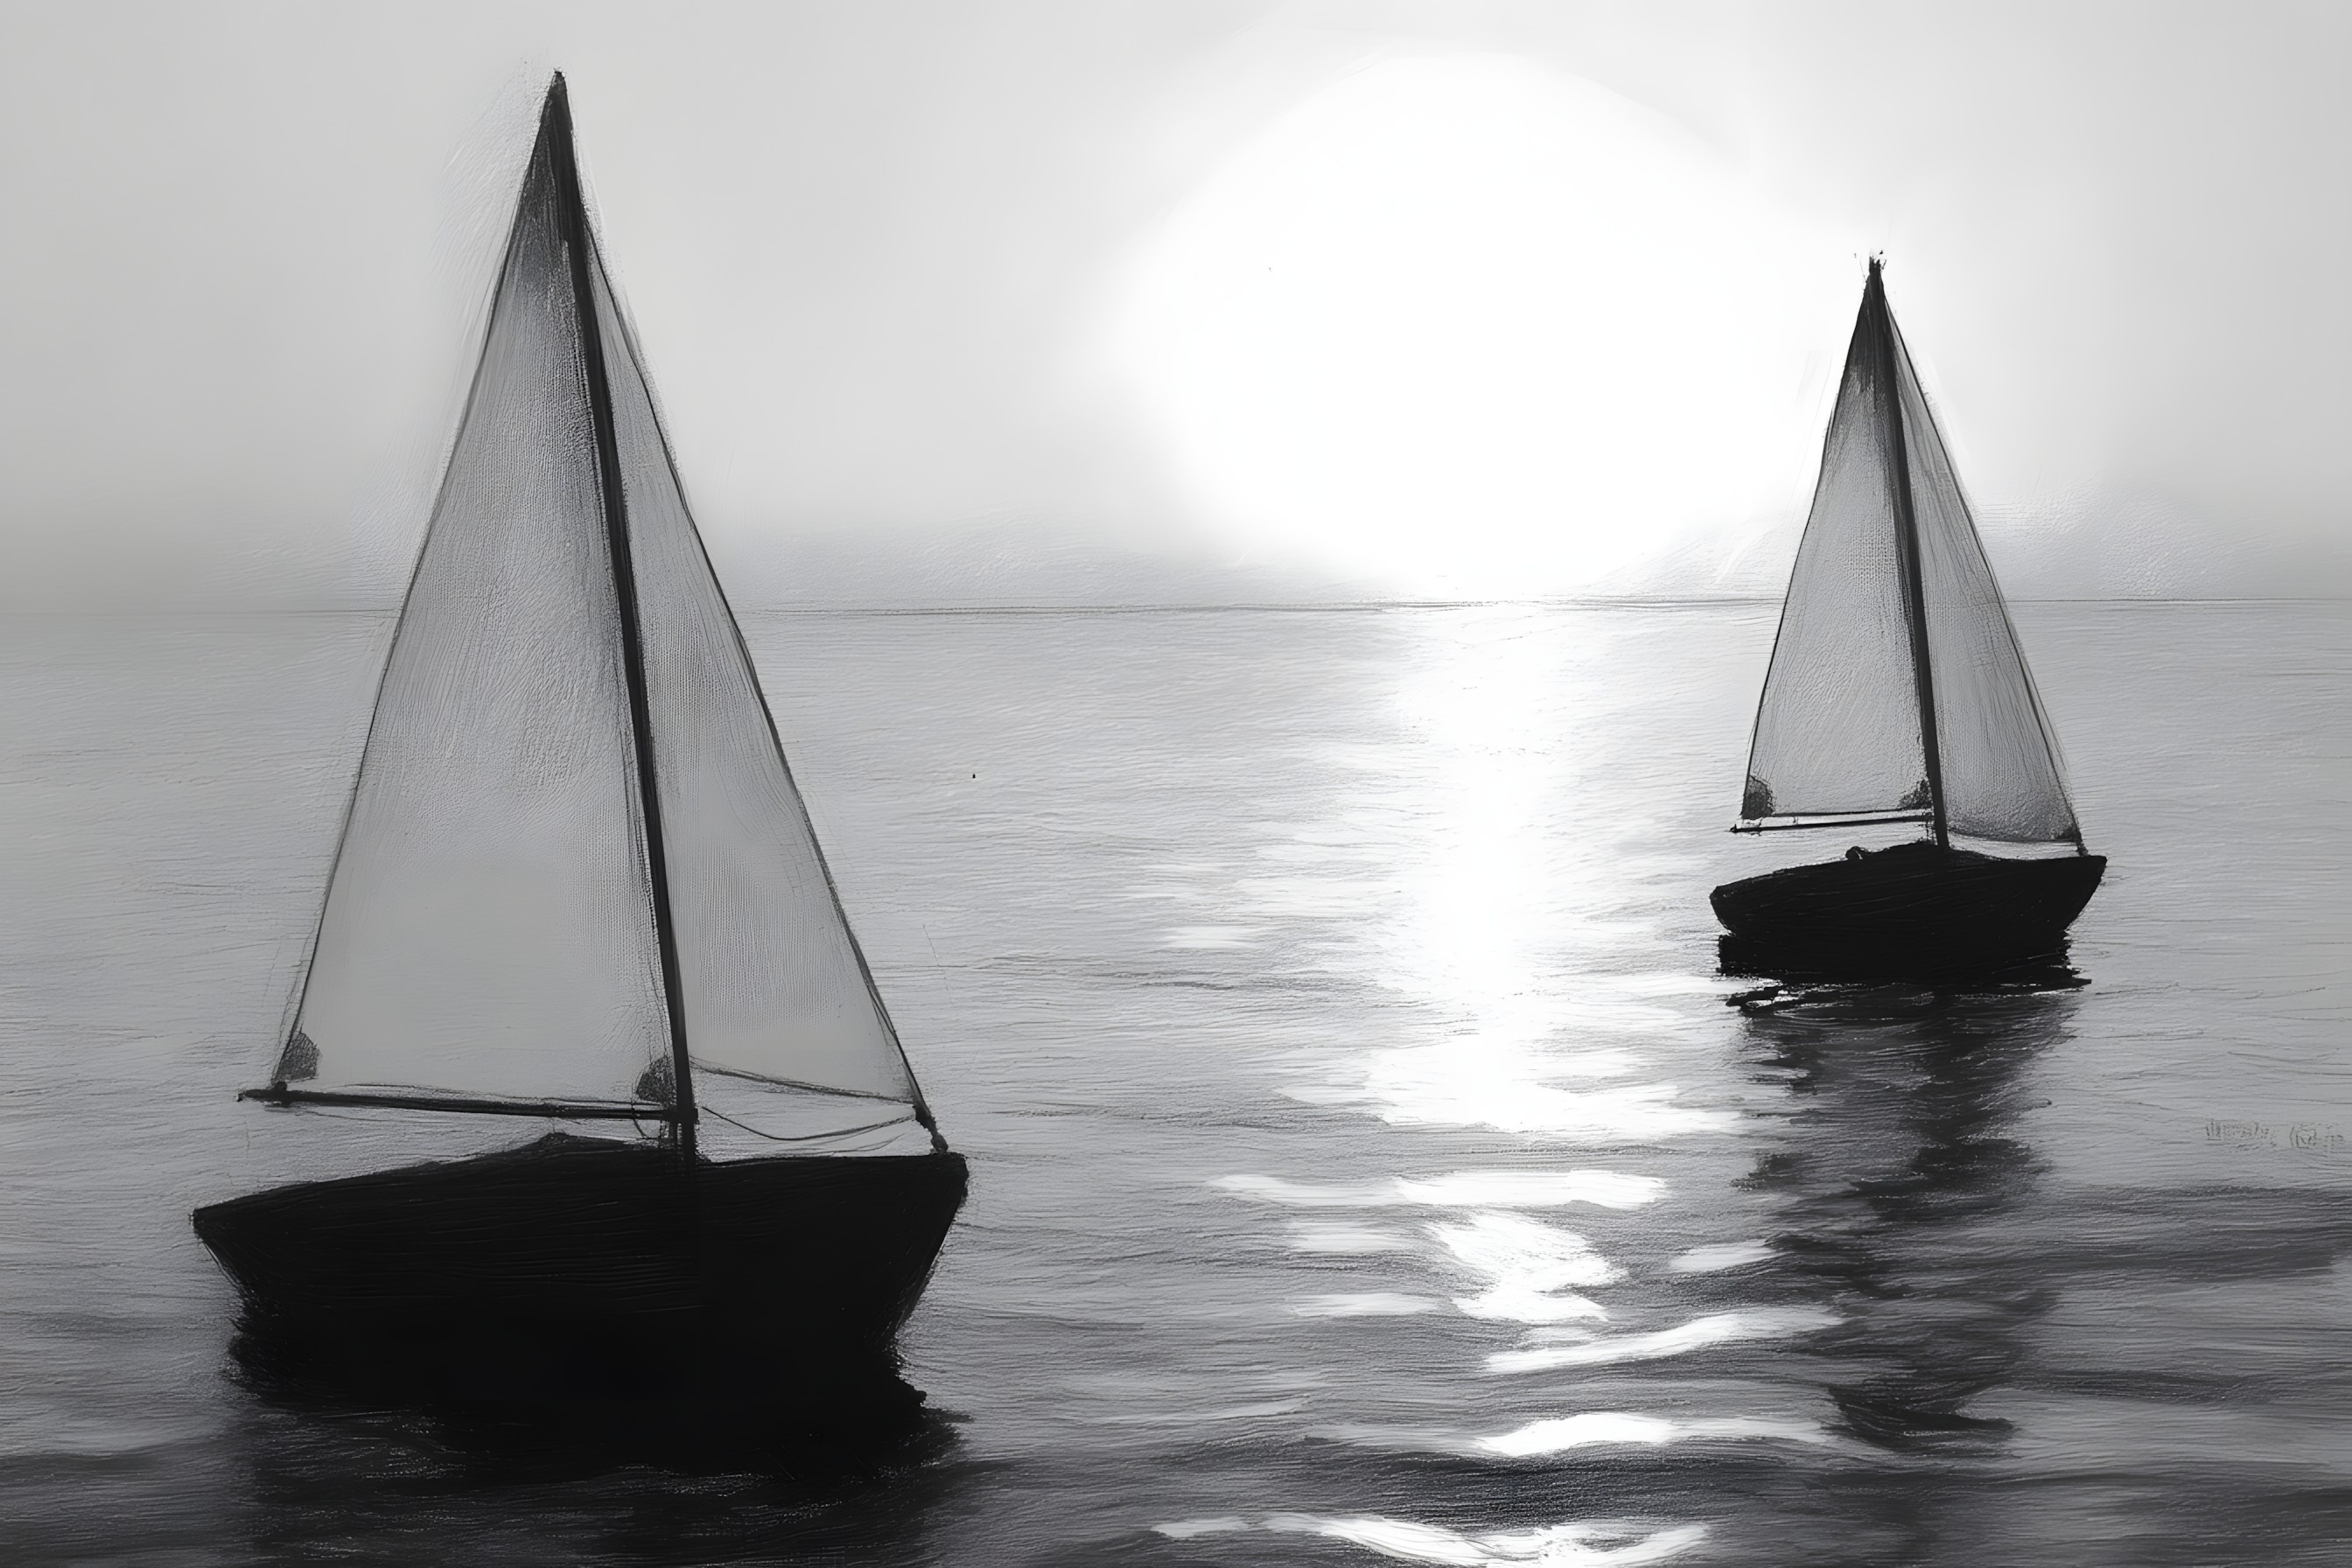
1596, 1428
1699, 1333
1460, 1189
1553, 1546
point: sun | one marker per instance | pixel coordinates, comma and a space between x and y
1468, 325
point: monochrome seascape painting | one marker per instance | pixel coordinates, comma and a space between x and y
1283, 782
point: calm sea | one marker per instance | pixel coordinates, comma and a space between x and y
1369, 1164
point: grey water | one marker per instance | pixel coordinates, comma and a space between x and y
1369, 1164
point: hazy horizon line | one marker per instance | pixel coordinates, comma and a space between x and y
1298, 606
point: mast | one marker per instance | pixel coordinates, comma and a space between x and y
555, 125
1906, 545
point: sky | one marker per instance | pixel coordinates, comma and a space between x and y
1218, 301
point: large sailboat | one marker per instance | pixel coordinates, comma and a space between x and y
577, 885
1898, 694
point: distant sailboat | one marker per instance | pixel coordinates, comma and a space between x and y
1898, 693
577, 882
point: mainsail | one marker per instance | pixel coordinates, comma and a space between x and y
1897, 690
516, 921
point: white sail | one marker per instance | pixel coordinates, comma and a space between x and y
2001, 774
1839, 729
775, 989
494, 923
485, 929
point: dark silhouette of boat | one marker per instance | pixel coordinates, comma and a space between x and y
1898, 694
596, 1270
576, 882
1918, 908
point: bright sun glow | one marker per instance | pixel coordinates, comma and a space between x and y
1469, 325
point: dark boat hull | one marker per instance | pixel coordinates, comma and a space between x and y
591, 1269
1914, 910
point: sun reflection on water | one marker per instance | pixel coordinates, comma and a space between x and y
1457, 876
1553, 1546
1489, 878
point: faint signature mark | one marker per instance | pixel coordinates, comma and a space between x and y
2298, 1137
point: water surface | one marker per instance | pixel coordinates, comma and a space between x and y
1369, 1164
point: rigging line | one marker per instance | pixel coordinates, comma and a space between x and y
812, 1137
573, 215
747, 1077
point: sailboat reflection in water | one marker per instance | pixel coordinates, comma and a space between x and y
1906, 1203
1898, 693
577, 882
